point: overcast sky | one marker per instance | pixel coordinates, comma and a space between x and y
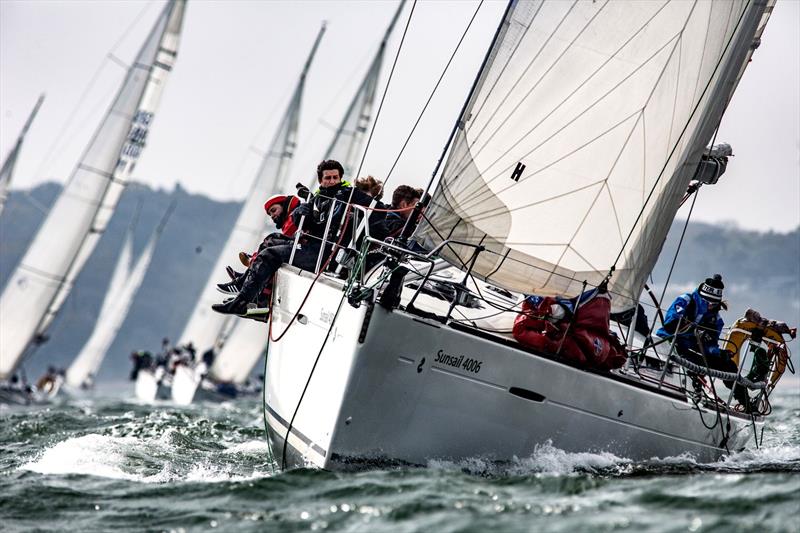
239, 61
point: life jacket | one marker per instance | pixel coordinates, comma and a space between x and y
756, 330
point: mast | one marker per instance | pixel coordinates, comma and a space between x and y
349, 139
7, 170
40, 284
205, 327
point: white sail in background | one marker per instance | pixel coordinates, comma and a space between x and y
205, 326
91, 354
586, 126
7, 170
42, 281
239, 354
115, 308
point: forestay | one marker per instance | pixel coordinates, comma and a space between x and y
205, 326
349, 139
42, 281
7, 170
584, 130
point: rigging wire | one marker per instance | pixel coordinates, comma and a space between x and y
430, 97
675, 258
341, 235
683, 132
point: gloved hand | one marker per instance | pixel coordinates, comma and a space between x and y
302, 210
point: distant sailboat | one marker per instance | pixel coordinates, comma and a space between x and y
40, 284
238, 354
205, 327
7, 170
122, 289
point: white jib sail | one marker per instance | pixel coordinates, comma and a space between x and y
586, 126
91, 355
205, 326
42, 281
7, 170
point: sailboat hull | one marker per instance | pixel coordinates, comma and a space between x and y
391, 387
152, 385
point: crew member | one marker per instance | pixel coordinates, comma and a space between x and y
694, 322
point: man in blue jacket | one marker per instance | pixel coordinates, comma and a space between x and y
694, 322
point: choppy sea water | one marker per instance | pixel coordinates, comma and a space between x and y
108, 464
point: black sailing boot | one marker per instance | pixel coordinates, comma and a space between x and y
232, 273
251, 284
231, 306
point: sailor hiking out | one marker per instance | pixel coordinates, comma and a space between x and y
326, 218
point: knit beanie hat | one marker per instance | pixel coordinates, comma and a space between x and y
711, 289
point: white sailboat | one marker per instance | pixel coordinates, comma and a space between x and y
238, 354
205, 328
568, 163
40, 284
7, 170
122, 289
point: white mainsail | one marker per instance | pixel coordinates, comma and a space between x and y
585, 128
42, 281
205, 326
7, 170
238, 354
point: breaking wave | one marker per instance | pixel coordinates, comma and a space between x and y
147, 460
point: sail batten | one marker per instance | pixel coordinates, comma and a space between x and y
73, 227
583, 133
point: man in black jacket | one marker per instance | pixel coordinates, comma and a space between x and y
326, 209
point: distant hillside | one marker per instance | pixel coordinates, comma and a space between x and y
184, 257
760, 270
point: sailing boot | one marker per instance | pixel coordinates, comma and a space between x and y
231, 306
232, 273
261, 270
244, 259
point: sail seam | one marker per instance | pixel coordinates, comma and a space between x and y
527, 68
683, 131
572, 93
479, 199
